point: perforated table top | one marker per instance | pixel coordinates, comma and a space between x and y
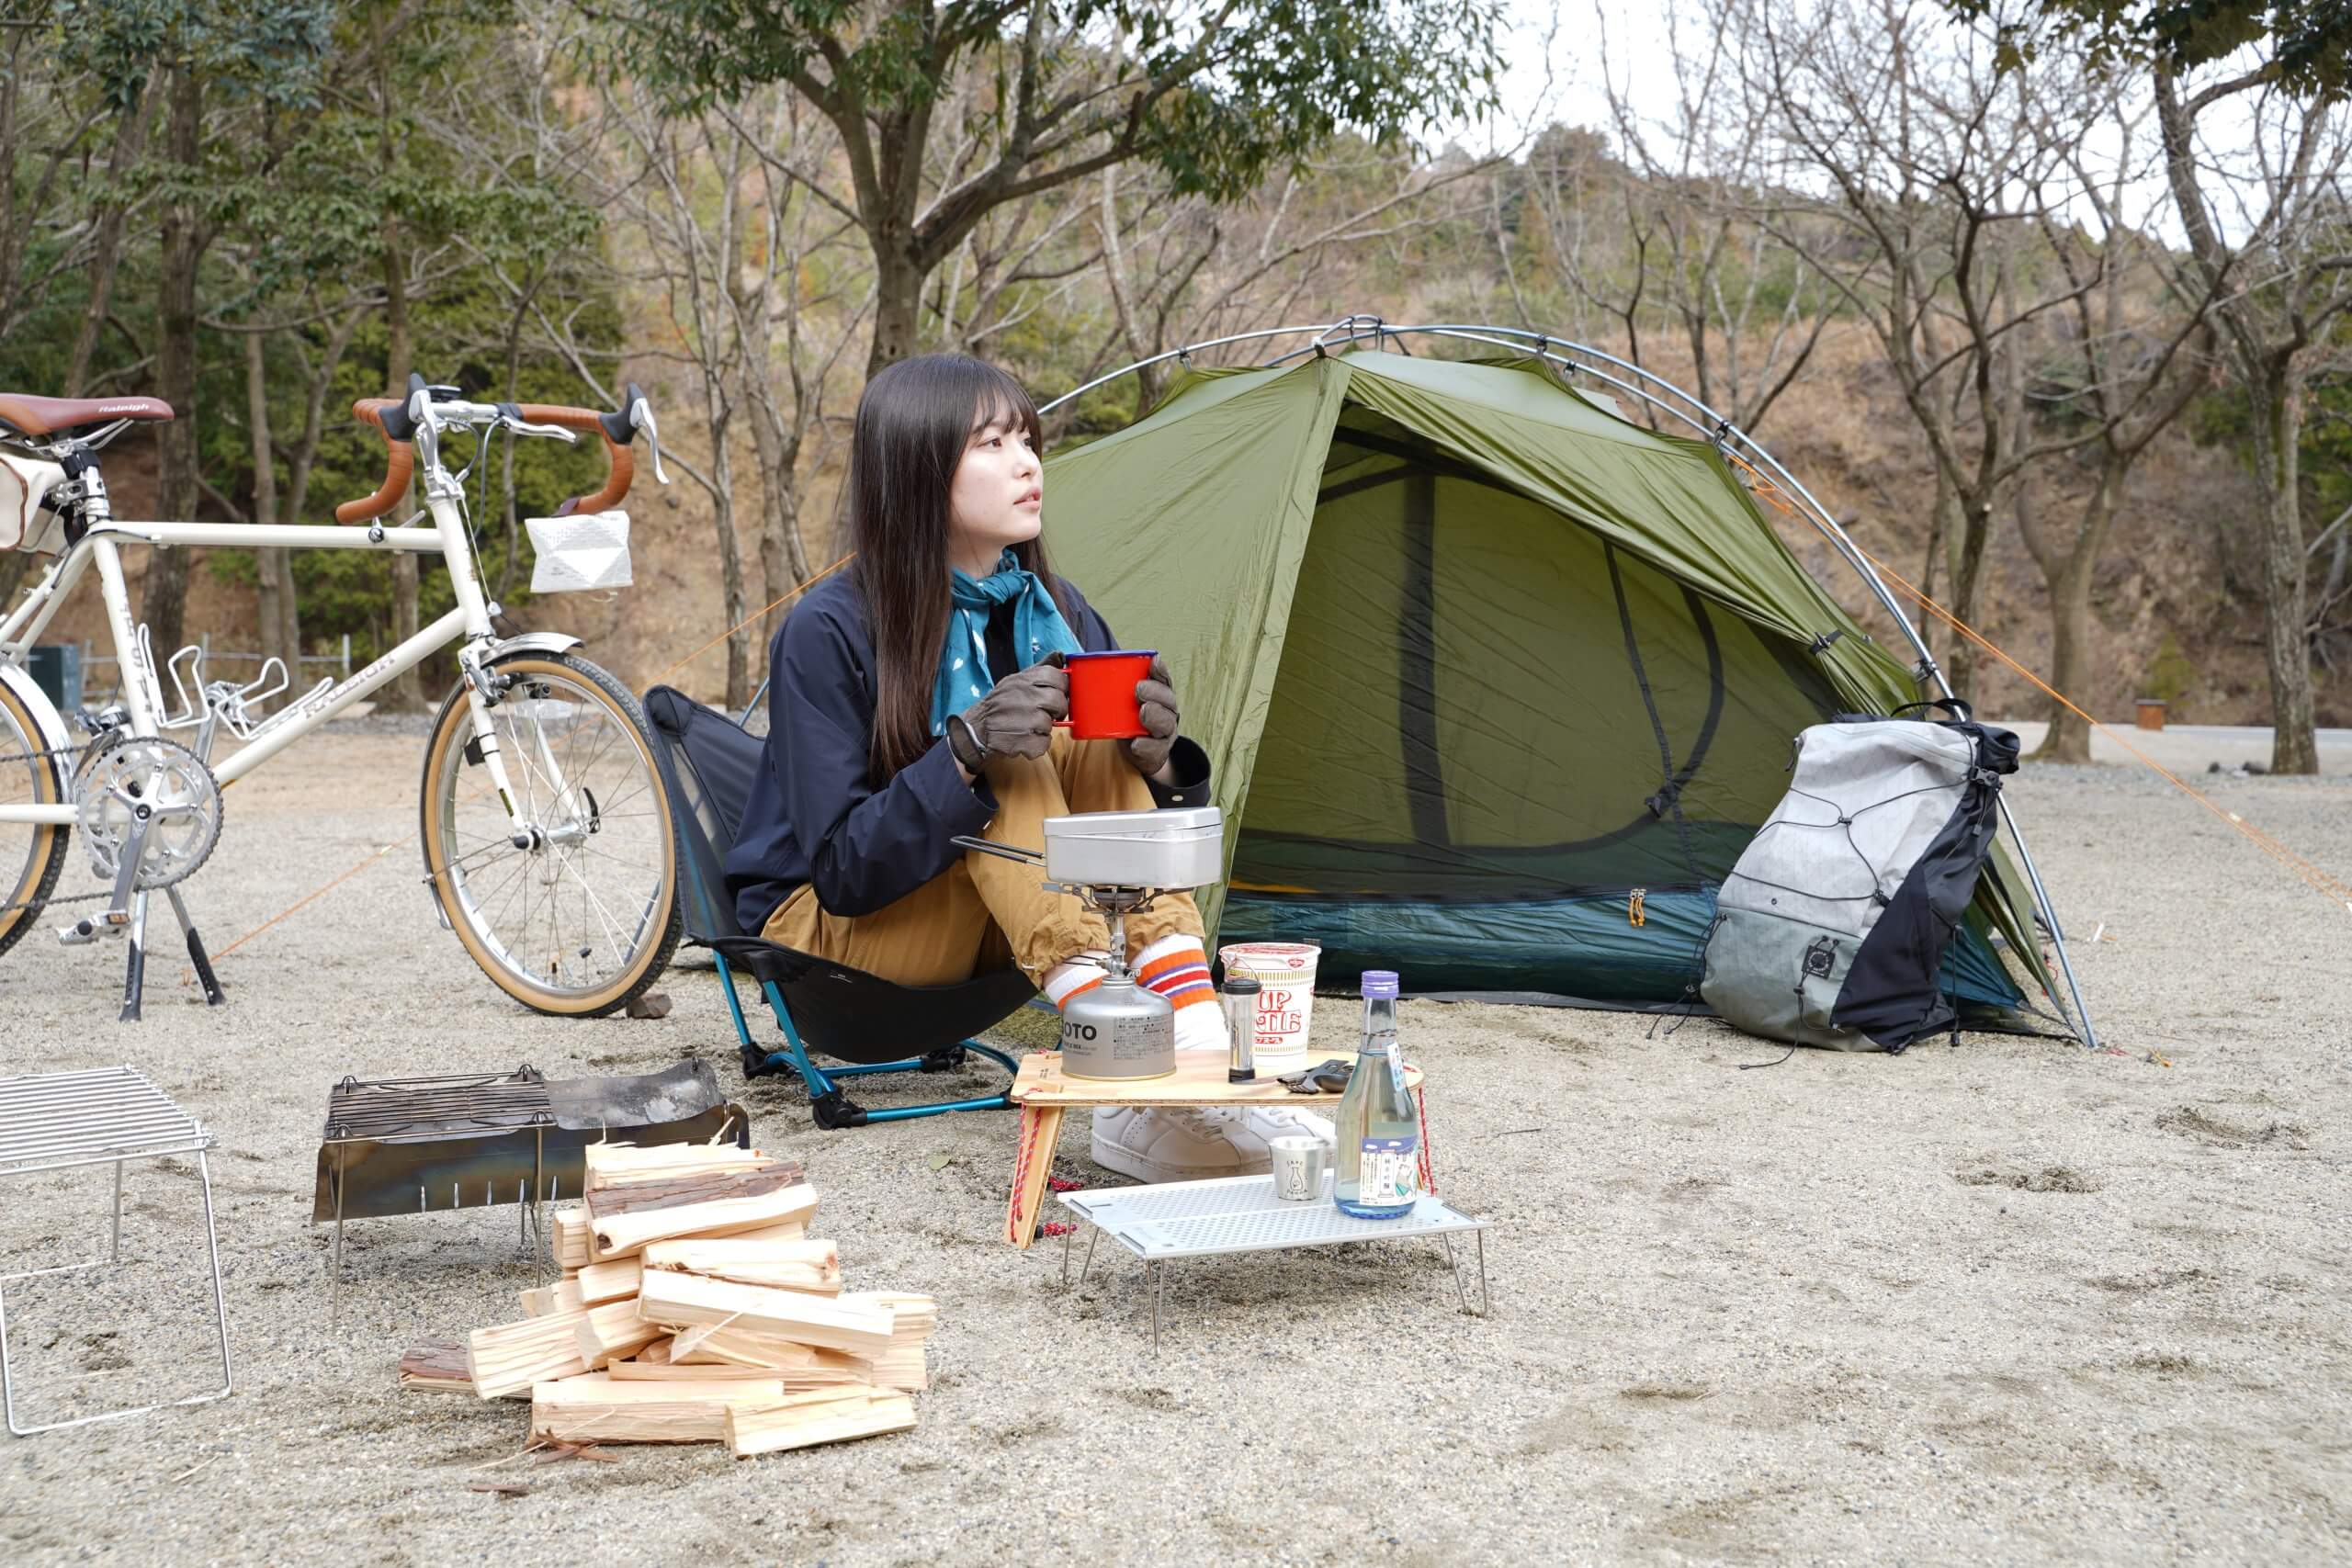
52, 1119
1240, 1214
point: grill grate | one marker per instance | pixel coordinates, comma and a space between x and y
55, 1120
454, 1104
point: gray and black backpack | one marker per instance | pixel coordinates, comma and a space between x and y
1831, 927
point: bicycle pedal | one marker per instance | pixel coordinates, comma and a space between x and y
86, 930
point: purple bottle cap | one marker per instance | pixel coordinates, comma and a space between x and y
1380, 984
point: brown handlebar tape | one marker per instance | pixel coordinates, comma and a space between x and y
623, 463
401, 463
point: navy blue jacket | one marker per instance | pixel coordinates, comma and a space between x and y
814, 814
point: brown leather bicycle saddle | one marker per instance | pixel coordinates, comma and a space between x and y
49, 416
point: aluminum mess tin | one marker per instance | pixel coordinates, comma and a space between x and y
1179, 848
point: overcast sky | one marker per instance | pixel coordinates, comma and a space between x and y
1559, 56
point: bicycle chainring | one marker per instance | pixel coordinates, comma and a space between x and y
122, 776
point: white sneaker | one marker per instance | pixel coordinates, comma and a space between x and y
1180, 1145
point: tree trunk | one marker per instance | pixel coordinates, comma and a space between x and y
275, 588
2069, 739
1942, 526
105, 244
164, 599
407, 692
2286, 608
1976, 517
2069, 563
898, 304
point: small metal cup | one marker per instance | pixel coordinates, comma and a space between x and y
1298, 1165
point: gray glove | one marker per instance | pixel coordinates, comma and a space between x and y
1156, 699
1015, 719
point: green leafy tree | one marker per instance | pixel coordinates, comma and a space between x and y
211, 62
1214, 95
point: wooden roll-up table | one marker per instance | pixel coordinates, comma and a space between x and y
1044, 1091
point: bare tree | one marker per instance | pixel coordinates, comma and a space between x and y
2270, 232
1180, 270
2124, 360
1934, 168
1690, 184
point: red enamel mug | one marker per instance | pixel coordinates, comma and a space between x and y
1103, 693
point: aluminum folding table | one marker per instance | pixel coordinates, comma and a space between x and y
110, 1116
1240, 1214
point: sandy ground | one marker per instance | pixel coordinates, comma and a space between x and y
2007, 1302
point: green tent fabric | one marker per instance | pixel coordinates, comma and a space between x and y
1474, 660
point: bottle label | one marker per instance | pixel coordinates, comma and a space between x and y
1389, 1172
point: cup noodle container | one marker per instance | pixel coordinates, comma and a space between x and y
1285, 975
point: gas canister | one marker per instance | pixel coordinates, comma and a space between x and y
1118, 1030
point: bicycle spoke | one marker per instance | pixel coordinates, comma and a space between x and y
551, 918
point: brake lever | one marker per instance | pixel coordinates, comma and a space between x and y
525, 427
640, 417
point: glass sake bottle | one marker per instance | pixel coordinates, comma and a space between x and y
1377, 1170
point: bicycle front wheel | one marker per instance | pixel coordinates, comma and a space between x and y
570, 902
31, 854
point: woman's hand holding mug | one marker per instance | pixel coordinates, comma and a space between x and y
1015, 719
1156, 704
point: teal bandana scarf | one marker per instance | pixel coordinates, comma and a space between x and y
1038, 629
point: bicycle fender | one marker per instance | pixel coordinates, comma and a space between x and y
532, 642
20, 683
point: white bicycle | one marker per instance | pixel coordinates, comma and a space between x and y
549, 844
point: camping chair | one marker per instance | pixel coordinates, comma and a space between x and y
707, 762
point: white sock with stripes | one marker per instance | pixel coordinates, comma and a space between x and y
1071, 976
1177, 966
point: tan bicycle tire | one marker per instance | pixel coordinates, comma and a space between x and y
454, 727
20, 903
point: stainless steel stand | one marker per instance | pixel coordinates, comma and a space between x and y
64, 1121
1240, 1214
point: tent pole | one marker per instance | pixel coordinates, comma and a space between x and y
1928, 668
1354, 328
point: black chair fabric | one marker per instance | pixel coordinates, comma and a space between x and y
707, 764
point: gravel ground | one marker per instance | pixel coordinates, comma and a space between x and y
2006, 1302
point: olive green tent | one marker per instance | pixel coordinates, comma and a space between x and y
1497, 684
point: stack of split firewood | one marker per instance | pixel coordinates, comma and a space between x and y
694, 1307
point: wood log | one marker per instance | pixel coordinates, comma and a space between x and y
437, 1366
812, 1266
831, 1418
613, 1330
623, 1219
790, 1230
916, 1315
684, 1301
907, 1367
504, 1361
602, 1283
658, 1351
610, 1165
564, 1295
568, 1238
801, 1366
595, 1409
719, 1372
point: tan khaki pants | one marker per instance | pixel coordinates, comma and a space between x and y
984, 911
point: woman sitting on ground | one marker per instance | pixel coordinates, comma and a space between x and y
912, 698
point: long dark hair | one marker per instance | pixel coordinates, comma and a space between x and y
914, 421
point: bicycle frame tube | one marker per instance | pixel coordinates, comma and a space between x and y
468, 620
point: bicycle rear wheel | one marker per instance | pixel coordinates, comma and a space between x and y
582, 914
31, 854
